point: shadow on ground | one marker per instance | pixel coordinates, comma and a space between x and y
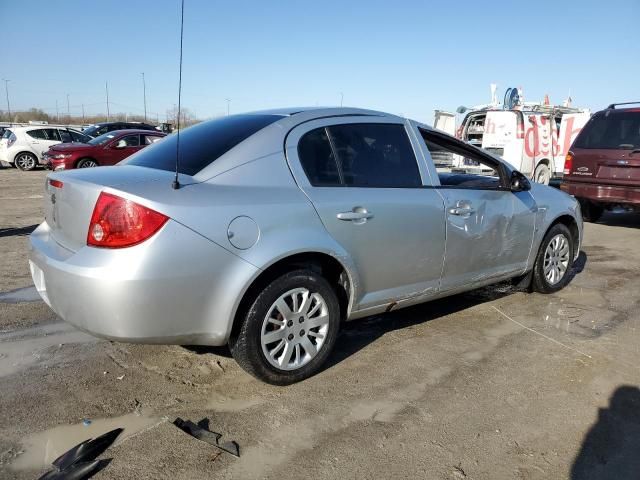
611, 449
620, 219
17, 231
357, 334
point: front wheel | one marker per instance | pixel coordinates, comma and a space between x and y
25, 161
554, 260
289, 329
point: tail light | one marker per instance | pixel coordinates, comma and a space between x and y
520, 129
568, 163
117, 222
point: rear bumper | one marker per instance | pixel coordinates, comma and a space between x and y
603, 193
175, 288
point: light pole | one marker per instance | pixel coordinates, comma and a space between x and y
144, 93
57, 113
68, 110
6, 89
106, 87
341, 98
228, 105
83, 122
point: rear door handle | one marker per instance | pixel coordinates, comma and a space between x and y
357, 215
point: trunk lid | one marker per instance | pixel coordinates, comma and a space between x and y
606, 166
69, 205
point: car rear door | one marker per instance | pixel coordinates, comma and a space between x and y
364, 180
489, 227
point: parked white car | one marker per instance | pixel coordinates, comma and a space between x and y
24, 147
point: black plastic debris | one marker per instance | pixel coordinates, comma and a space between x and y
201, 432
80, 461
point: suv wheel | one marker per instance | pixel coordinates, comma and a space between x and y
25, 161
542, 174
554, 260
289, 330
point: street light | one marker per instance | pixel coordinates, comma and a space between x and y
6, 89
106, 87
228, 104
144, 93
68, 110
341, 98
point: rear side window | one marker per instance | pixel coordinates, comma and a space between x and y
37, 134
318, 161
359, 155
201, 144
611, 130
149, 139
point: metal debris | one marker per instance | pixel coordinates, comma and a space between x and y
201, 432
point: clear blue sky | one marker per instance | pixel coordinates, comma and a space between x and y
405, 57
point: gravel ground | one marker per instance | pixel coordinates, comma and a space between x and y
491, 384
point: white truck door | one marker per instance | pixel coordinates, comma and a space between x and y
502, 136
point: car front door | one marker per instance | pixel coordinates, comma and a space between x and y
121, 148
366, 184
489, 227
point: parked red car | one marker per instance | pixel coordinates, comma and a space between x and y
107, 149
602, 168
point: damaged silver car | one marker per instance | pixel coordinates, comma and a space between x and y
285, 223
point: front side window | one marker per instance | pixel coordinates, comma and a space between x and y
469, 170
79, 137
359, 155
130, 141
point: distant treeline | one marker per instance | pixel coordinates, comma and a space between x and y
37, 114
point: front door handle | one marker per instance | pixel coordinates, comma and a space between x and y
462, 211
357, 215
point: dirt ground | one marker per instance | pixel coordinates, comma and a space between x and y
491, 384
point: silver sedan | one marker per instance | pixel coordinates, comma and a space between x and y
284, 223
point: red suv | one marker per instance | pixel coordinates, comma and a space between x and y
602, 168
107, 149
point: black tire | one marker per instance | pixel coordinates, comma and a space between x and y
87, 163
591, 212
246, 346
540, 283
25, 161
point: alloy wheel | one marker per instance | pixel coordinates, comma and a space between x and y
294, 329
25, 161
556, 259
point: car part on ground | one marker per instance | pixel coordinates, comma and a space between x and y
201, 432
80, 461
282, 229
603, 167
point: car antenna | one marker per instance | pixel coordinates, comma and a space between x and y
176, 183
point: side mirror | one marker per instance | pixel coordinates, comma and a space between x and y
519, 183
120, 144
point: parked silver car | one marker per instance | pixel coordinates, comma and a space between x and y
285, 223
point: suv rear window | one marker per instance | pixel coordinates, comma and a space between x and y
611, 130
201, 144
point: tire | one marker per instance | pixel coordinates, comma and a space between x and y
25, 161
557, 256
268, 347
542, 174
591, 212
87, 163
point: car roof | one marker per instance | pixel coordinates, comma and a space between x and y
320, 111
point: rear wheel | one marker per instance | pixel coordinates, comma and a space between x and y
25, 161
289, 329
554, 260
542, 174
87, 163
591, 212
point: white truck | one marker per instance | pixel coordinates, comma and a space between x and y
533, 137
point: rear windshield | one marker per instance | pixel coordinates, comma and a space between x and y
611, 130
201, 144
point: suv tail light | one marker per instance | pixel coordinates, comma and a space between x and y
568, 163
117, 222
